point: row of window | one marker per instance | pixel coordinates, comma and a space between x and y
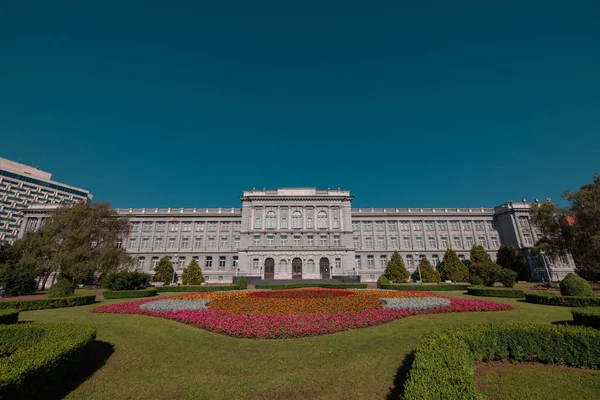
296, 240
423, 225
271, 221
310, 264
220, 263
410, 260
38, 182
432, 242
210, 226
185, 243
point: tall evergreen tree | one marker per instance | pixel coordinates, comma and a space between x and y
509, 257
395, 270
453, 269
479, 255
192, 274
163, 272
428, 273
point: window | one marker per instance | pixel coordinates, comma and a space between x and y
208, 263
135, 227
284, 223
184, 242
357, 262
236, 242
442, 226
369, 243
296, 219
171, 243
141, 262
416, 226
145, 243
371, 261
256, 240
310, 266
224, 242
158, 243
147, 227
527, 238
197, 242
404, 226
381, 242
323, 240
271, 220
392, 226
478, 225
322, 219
456, 241
523, 222
367, 226
355, 225
394, 240
380, 226
211, 243
237, 226
482, 241
435, 259
255, 263
225, 226
338, 263
409, 261
383, 261
173, 226
444, 242
269, 240
419, 242
406, 241
296, 240
222, 262
356, 242
236, 261
429, 226
257, 223
454, 226
186, 227
154, 262
199, 226
335, 223
494, 242
309, 223
181, 263
283, 240
212, 226
490, 225
336, 240
431, 241
466, 225
310, 241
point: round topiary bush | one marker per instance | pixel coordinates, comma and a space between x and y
62, 288
573, 285
383, 280
242, 282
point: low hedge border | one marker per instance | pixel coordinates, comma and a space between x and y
128, 294
489, 292
43, 304
316, 285
47, 353
163, 289
9, 316
550, 299
587, 316
444, 363
428, 288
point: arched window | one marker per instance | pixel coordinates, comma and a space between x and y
283, 223
283, 266
257, 223
311, 266
322, 219
296, 219
309, 223
336, 223
271, 220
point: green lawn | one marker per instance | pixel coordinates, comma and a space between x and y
159, 359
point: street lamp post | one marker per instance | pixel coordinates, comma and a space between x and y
419, 267
173, 277
543, 253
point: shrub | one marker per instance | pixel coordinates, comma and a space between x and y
444, 363
508, 277
62, 288
550, 299
478, 255
427, 288
317, 285
487, 292
382, 280
453, 269
587, 316
43, 304
395, 270
162, 289
163, 272
39, 354
242, 283
192, 275
17, 281
428, 273
9, 316
573, 285
487, 274
129, 294
126, 280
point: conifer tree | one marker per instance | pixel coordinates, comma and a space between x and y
453, 269
479, 255
192, 275
428, 273
163, 271
396, 271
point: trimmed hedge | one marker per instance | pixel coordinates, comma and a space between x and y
9, 316
128, 294
428, 288
163, 289
35, 355
42, 304
587, 316
550, 299
317, 285
488, 292
444, 364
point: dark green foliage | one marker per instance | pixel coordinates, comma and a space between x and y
509, 257
453, 269
428, 273
587, 316
395, 270
163, 289
163, 272
317, 285
382, 280
573, 285
9, 316
479, 255
487, 292
62, 288
444, 364
192, 275
486, 274
429, 288
48, 353
242, 282
508, 277
129, 294
42, 304
17, 281
126, 280
550, 299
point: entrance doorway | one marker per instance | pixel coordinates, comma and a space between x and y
269, 268
296, 268
324, 266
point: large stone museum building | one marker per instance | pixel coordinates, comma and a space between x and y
308, 234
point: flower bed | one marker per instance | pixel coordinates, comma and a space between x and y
247, 315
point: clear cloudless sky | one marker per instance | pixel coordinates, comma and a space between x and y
405, 104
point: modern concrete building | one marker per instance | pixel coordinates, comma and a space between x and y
21, 186
309, 233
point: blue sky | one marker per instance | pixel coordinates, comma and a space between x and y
420, 104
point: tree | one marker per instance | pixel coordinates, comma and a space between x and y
428, 273
510, 258
395, 270
479, 255
192, 275
163, 272
453, 269
16, 280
